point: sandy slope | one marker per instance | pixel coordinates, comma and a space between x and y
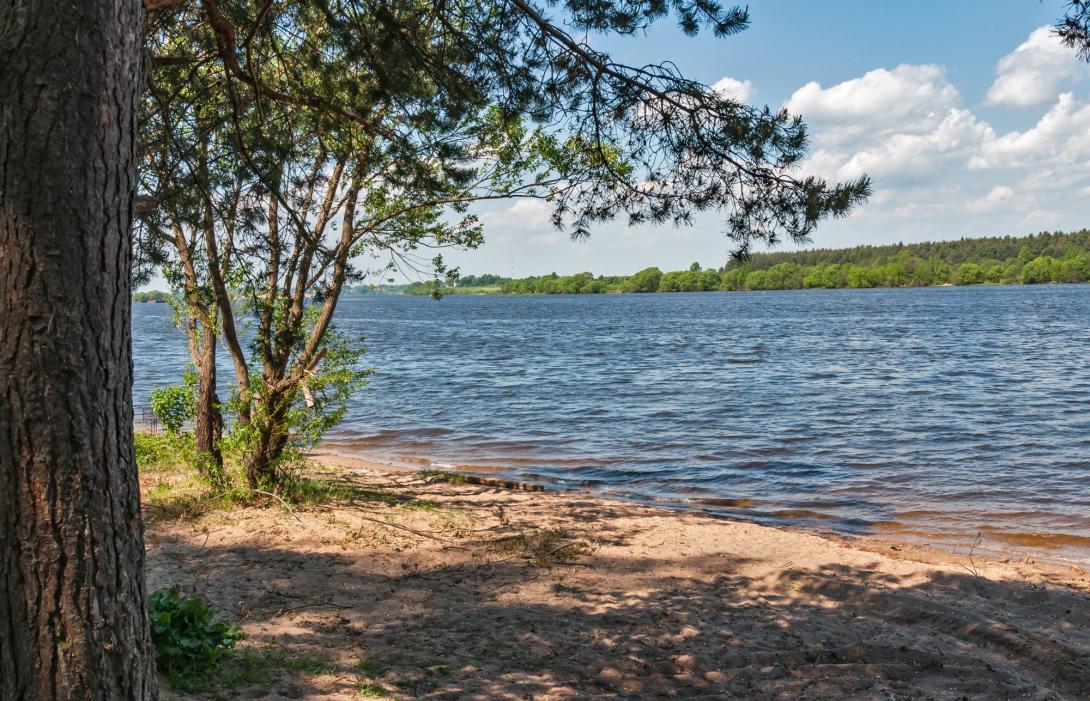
602, 599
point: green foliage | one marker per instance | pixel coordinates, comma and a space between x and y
1074, 28
297, 415
647, 280
689, 281
189, 641
969, 274
368, 690
261, 665
444, 476
164, 452
1040, 270
154, 296
1042, 258
734, 279
172, 405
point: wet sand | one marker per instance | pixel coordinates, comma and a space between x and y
477, 590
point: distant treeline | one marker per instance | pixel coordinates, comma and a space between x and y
465, 285
154, 296
1040, 258
383, 289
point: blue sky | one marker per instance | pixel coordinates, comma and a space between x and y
968, 116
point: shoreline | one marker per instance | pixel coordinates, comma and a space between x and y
990, 540
434, 587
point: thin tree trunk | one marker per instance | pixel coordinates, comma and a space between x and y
271, 439
73, 622
209, 420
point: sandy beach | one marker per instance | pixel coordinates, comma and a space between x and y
429, 587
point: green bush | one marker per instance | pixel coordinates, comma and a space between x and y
1042, 269
647, 280
172, 406
163, 453
969, 274
189, 642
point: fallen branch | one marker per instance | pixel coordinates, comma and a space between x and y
422, 534
286, 505
314, 604
972, 568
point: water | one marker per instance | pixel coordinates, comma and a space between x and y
921, 413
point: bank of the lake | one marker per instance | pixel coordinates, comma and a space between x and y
429, 587
1047, 257
921, 413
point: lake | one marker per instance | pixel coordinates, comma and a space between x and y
923, 414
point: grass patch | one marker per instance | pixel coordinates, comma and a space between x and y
186, 496
542, 547
368, 666
444, 476
380, 496
367, 690
175, 489
163, 453
260, 666
310, 491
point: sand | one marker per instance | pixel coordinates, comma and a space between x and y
477, 591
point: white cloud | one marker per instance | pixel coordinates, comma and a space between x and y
1060, 138
909, 96
998, 195
938, 164
898, 126
739, 90
1040, 219
1035, 72
524, 217
913, 155
940, 169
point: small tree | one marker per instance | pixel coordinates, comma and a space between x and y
172, 405
273, 125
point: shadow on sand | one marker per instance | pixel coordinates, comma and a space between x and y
626, 627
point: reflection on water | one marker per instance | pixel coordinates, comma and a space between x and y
928, 413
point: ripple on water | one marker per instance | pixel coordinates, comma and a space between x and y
937, 414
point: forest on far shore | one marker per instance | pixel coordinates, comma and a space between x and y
1002, 260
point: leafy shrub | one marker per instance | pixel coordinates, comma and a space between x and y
1042, 269
969, 274
163, 453
189, 642
172, 406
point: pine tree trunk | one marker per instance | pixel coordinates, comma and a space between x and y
73, 622
209, 421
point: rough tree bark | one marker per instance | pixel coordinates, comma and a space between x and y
208, 426
270, 439
73, 622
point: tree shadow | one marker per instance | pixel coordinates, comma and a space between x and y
631, 627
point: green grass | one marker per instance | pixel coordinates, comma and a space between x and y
309, 491
180, 492
256, 666
368, 666
443, 476
163, 453
482, 290
259, 666
366, 690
